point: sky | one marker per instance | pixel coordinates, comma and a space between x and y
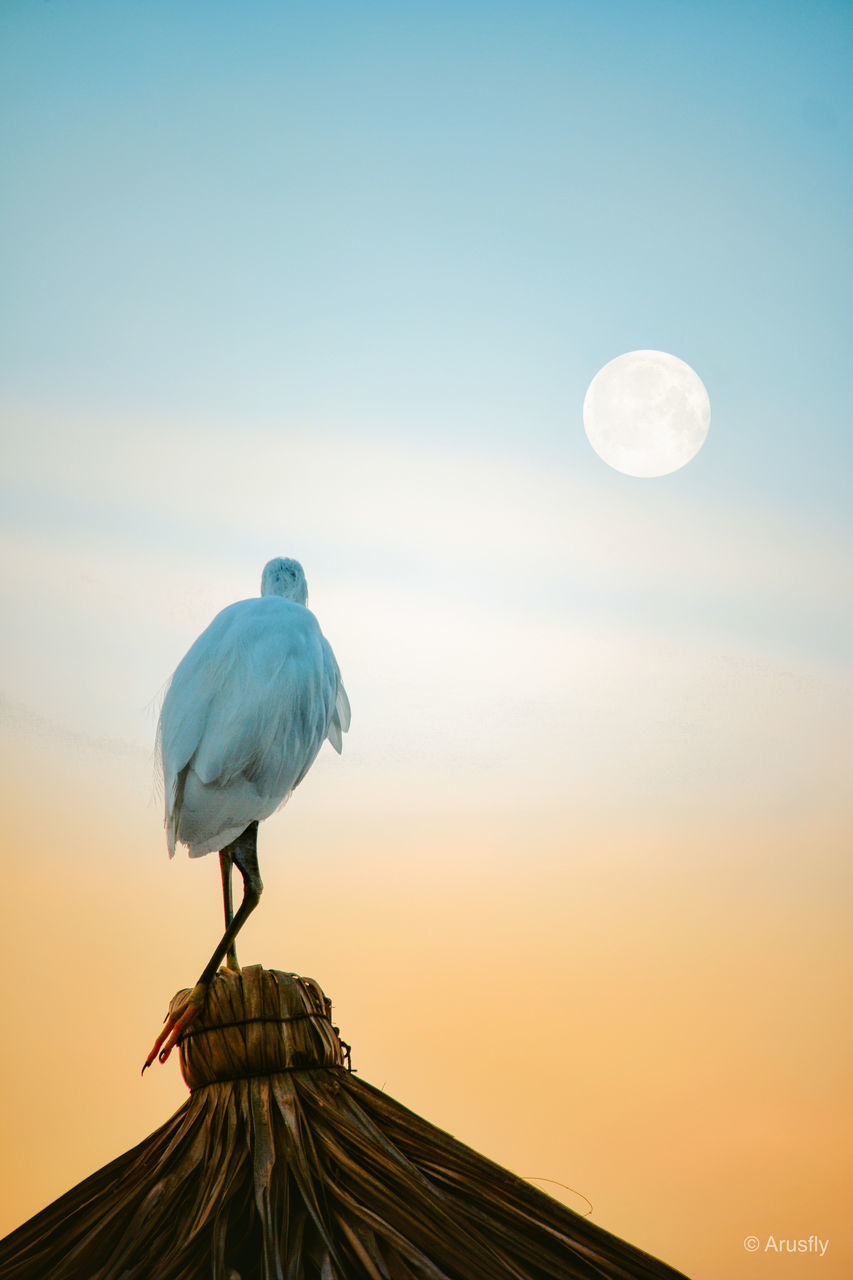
331, 280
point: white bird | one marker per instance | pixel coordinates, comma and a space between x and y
245, 714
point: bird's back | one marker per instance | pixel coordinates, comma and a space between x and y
245, 715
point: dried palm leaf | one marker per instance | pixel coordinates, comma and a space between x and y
283, 1165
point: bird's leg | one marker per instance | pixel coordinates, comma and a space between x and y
226, 861
244, 852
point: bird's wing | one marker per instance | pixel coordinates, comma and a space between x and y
252, 701
268, 715
336, 699
186, 709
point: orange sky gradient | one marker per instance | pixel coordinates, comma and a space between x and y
654, 1016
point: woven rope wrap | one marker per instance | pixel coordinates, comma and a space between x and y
258, 1022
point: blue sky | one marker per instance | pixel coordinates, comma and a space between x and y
435, 220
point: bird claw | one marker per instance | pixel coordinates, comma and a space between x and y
177, 1021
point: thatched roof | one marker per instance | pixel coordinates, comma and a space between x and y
283, 1165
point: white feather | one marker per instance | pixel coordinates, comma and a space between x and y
244, 717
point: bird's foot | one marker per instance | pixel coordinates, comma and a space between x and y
177, 1021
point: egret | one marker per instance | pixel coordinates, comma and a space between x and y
244, 716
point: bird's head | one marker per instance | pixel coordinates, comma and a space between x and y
286, 578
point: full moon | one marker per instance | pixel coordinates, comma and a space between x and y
646, 413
